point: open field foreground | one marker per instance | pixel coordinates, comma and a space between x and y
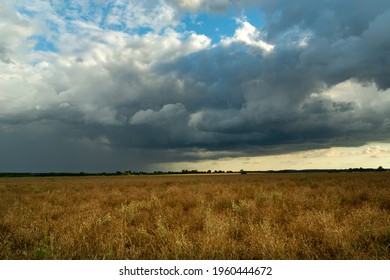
256, 216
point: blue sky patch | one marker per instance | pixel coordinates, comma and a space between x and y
217, 26
42, 44
213, 26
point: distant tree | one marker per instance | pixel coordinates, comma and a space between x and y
380, 168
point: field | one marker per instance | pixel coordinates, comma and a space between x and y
254, 216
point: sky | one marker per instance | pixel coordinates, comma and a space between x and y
101, 86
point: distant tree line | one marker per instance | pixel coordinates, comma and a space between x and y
184, 171
56, 174
379, 169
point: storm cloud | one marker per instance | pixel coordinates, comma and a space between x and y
124, 85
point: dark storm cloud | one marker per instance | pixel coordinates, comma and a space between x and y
109, 100
348, 39
331, 19
243, 97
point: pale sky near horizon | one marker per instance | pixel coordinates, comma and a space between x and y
93, 86
372, 155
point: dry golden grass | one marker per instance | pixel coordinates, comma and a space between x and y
264, 216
